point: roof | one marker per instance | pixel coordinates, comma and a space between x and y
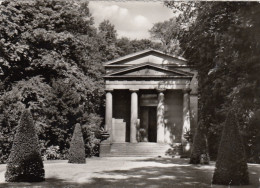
123, 73
144, 52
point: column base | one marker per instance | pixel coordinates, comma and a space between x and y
160, 142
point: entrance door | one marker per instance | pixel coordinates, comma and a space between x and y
148, 124
152, 127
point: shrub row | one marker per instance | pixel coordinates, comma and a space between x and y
25, 162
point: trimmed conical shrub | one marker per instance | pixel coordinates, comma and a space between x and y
77, 147
231, 166
25, 163
199, 154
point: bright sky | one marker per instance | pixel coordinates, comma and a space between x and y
132, 19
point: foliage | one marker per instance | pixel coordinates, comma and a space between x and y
175, 150
111, 47
77, 149
13, 106
167, 33
52, 153
127, 46
220, 39
24, 162
231, 165
51, 60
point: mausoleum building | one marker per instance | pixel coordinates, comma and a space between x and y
151, 103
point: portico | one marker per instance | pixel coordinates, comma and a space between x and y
148, 100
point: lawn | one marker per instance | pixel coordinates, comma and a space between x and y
128, 172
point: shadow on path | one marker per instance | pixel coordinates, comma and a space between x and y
176, 174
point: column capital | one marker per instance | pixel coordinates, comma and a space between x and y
186, 90
133, 90
109, 90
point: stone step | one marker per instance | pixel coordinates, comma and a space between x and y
137, 149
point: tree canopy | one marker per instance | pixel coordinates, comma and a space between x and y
51, 57
222, 40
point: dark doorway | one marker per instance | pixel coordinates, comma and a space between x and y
148, 124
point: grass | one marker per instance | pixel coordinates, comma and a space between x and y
129, 172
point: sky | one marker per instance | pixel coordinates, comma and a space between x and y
132, 19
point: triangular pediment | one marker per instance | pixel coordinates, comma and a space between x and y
151, 56
148, 70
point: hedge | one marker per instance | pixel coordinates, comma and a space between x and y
25, 163
77, 148
231, 165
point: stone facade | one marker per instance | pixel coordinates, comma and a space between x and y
150, 97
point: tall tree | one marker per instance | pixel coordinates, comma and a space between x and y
167, 32
107, 41
219, 38
49, 50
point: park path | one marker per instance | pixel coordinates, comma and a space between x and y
129, 172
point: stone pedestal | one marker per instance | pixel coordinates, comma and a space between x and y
134, 115
105, 149
160, 117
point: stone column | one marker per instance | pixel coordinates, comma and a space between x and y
134, 115
160, 117
109, 112
186, 121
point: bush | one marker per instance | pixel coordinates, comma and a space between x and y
25, 162
92, 135
175, 150
199, 154
52, 153
231, 166
77, 149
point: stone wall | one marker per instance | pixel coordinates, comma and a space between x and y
173, 116
121, 110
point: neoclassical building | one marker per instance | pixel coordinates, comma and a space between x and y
151, 103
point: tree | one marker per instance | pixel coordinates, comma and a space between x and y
199, 148
107, 41
50, 51
126, 46
25, 162
219, 39
231, 165
107, 30
77, 147
167, 32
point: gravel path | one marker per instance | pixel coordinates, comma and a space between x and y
129, 172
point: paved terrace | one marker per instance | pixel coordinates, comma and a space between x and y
129, 172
